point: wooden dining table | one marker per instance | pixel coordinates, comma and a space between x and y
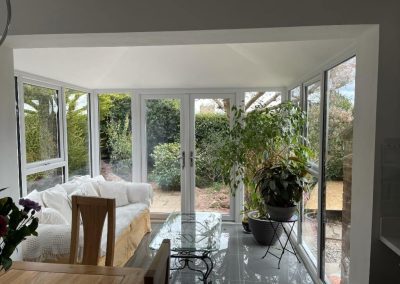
46, 273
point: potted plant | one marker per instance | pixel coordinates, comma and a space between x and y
260, 225
281, 182
270, 141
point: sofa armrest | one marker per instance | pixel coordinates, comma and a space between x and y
139, 192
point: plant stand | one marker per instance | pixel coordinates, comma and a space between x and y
291, 222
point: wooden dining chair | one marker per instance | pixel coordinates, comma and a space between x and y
92, 211
158, 272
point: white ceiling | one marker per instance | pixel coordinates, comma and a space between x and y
269, 64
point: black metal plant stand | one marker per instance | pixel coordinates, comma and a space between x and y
188, 258
291, 222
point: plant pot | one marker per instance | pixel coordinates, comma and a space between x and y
281, 213
246, 227
263, 229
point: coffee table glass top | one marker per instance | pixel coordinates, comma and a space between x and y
190, 232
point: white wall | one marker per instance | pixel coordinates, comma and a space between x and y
363, 158
8, 126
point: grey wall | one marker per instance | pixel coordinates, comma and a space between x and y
8, 127
101, 16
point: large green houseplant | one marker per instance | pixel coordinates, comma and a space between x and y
267, 143
282, 182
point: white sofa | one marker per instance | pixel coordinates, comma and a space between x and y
54, 232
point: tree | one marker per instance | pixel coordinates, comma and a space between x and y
41, 123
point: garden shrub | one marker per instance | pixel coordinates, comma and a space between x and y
163, 124
208, 124
166, 171
119, 145
77, 135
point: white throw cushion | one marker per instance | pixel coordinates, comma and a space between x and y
51, 216
70, 186
36, 196
87, 179
85, 189
117, 190
57, 198
139, 192
88, 189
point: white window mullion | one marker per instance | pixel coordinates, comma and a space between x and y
136, 137
95, 133
63, 132
22, 134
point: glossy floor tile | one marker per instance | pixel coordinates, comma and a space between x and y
239, 260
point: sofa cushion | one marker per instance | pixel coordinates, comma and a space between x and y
139, 192
51, 216
57, 198
85, 189
36, 196
117, 190
70, 186
87, 179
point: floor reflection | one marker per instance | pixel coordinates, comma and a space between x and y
237, 261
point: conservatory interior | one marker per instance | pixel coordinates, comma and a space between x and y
157, 112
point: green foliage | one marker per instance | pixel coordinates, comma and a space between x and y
41, 123
119, 145
162, 124
207, 124
115, 119
77, 132
163, 120
119, 141
166, 170
210, 128
282, 181
340, 119
254, 202
265, 136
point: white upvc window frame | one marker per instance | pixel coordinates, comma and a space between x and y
317, 267
61, 161
90, 130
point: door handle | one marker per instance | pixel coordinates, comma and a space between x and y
183, 157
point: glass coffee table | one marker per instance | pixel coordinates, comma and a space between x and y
193, 236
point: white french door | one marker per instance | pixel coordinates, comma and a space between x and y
209, 119
179, 133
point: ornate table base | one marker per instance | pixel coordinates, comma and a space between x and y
188, 258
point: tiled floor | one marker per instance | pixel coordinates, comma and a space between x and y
238, 261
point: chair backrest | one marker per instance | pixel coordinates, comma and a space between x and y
93, 211
158, 272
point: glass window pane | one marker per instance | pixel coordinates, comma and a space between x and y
295, 95
115, 136
254, 100
211, 123
77, 133
310, 200
163, 140
338, 170
44, 180
42, 136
